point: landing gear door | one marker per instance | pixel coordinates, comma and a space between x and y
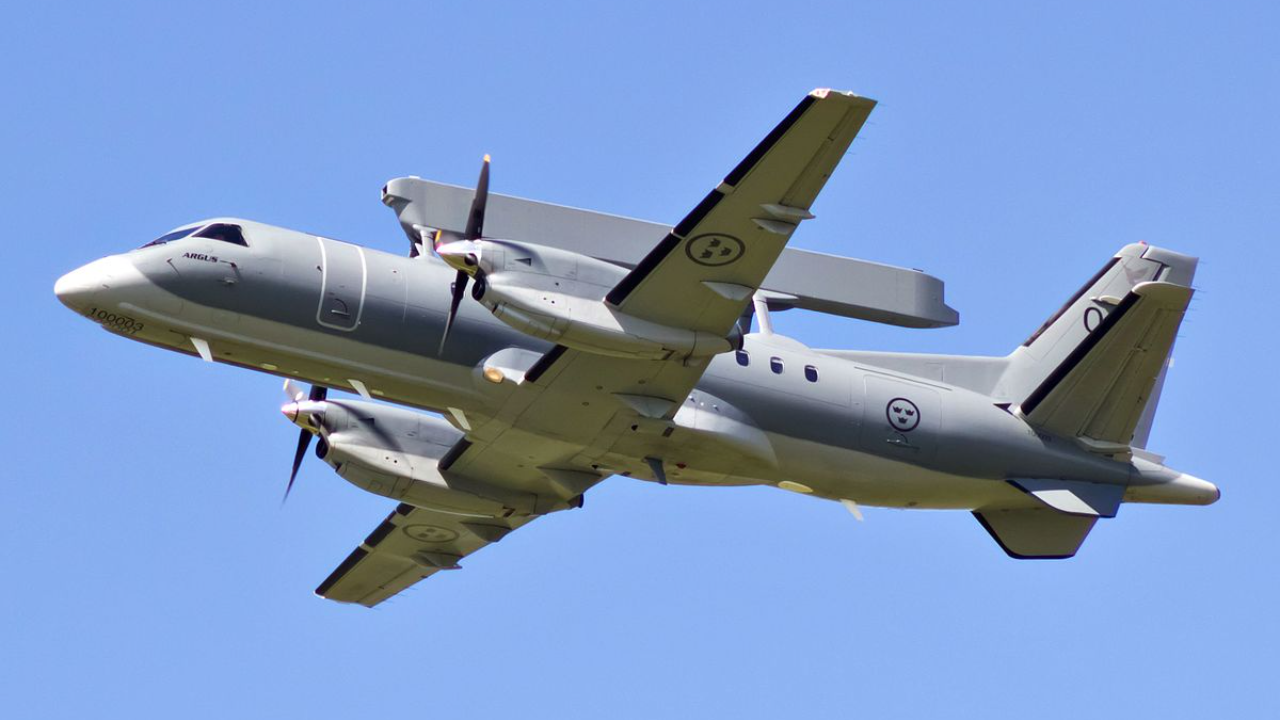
343, 279
901, 419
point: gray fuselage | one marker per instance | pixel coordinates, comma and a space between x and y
328, 312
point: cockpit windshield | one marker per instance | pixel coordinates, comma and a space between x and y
170, 237
225, 232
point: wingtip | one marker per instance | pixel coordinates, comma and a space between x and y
824, 93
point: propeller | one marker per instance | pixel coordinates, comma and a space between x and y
292, 409
475, 220
462, 254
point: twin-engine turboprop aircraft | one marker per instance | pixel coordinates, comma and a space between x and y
577, 356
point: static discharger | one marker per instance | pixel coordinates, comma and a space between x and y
202, 347
359, 387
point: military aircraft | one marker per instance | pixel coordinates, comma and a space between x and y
570, 346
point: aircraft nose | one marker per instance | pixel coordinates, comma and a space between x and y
78, 287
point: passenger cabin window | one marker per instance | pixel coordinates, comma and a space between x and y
224, 232
810, 373
170, 237
775, 364
743, 358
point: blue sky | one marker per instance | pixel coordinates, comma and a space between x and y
150, 569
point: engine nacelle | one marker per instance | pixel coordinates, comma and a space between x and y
558, 296
395, 453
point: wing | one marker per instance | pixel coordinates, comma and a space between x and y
410, 545
704, 271
538, 454
699, 277
414, 543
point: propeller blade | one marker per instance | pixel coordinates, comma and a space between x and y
459, 289
475, 220
304, 441
294, 392
474, 231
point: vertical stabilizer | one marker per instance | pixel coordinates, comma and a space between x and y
1094, 370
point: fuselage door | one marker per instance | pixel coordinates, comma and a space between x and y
344, 276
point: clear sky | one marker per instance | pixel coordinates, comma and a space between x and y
150, 571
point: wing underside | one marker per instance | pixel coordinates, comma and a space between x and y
410, 545
525, 478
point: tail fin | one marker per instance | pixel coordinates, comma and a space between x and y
1094, 370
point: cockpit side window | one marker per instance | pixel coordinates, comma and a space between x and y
170, 237
225, 232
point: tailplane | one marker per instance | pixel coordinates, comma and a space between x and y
1094, 370
1092, 373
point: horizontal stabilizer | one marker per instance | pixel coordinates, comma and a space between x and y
1036, 533
1074, 497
